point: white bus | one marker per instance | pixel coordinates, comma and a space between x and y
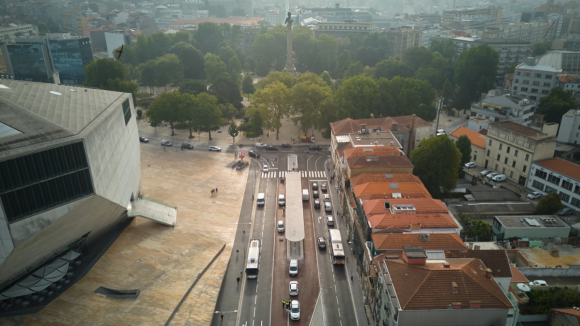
337, 252
253, 262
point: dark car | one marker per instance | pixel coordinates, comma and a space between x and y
321, 243
315, 194
241, 166
316, 203
271, 148
314, 186
566, 211
143, 140
186, 145
253, 154
286, 146
315, 148
323, 187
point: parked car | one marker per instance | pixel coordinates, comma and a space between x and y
470, 165
323, 187
315, 148
329, 220
327, 206
280, 226
534, 195
293, 270
143, 140
314, 186
253, 154
321, 243
166, 143
326, 197
215, 148
186, 145
281, 200
441, 132
539, 283
485, 172
499, 177
491, 175
265, 168
293, 288
566, 211
260, 145
271, 148
286, 146
316, 203
295, 310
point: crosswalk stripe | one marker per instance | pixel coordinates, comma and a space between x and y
263, 175
324, 174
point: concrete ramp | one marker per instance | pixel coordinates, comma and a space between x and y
153, 211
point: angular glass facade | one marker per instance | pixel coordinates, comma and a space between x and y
29, 62
69, 58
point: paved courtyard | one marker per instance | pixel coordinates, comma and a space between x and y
159, 260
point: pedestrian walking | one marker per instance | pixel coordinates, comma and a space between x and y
164, 149
222, 316
237, 251
238, 279
351, 278
283, 304
216, 189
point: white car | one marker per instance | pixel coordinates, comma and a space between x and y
281, 200
165, 143
538, 283
293, 288
265, 168
499, 177
260, 145
441, 132
295, 310
534, 195
491, 175
485, 172
470, 165
281, 226
326, 197
215, 148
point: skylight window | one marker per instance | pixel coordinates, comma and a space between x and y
54, 93
4, 87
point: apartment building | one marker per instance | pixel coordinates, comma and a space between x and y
570, 128
342, 29
394, 242
9, 33
401, 38
511, 148
477, 143
534, 81
533, 32
567, 61
555, 175
509, 107
491, 13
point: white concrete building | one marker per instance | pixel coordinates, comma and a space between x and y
570, 128
12, 31
559, 176
534, 81
505, 108
69, 168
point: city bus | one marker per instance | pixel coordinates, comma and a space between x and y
253, 261
336, 251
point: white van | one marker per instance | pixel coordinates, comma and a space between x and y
305, 196
329, 220
261, 200
327, 206
293, 267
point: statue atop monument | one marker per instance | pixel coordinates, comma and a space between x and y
289, 61
288, 19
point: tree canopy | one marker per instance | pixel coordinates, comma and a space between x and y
464, 145
476, 71
556, 104
549, 204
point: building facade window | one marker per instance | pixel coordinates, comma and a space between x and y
534, 90
527, 156
549, 189
126, 111
525, 82
527, 74
505, 160
498, 157
503, 171
547, 84
538, 185
488, 152
541, 174
514, 164
536, 83
511, 174
553, 179
548, 76
567, 185
525, 168
500, 146
577, 190
545, 92
564, 197
496, 167
490, 139
533, 98
516, 153
538, 75
575, 201
524, 89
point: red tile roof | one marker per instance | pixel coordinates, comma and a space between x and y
569, 311
381, 177
562, 166
350, 126
396, 241
429, 286
383, 190
496, 260
518, 277
412, 221
380, 162
422, 206
372, 151
476, 138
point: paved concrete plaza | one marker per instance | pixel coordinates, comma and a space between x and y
160, 260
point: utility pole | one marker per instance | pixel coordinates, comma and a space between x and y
439, 107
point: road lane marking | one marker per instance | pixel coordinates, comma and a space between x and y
255, 311
336, 301
335, 290
333, 278
339, 313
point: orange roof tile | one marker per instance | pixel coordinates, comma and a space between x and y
475, 137
386, 189
407, 194
518, 277
429, 286
350, 126
372, 151
379, 162
569, 311
496, 260
396, 241
562, 166
381, 177
422, 205
407, 221
515, 293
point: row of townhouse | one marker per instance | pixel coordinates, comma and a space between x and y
394, 224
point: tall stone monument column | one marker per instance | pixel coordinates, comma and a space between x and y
289, 61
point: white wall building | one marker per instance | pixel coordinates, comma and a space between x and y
534, 81
558, 176
69, 168
570, 128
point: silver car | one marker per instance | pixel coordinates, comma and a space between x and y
293, 288
215, 148
491, 175
295, 310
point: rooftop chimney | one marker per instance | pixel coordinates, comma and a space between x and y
411, 134
414, 255
455, 305
454, 285
475, 304
447, 265
394, 127
487, 273
424, 237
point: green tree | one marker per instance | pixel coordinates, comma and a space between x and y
417, 57
274, 101
99, 71
541, 48
354, 69
464, 145
478, 228
265, 48
368, 56
405, 96
214, 67
209, 36
208, 114
147, 74
556, 104
326, 77
282, 76
233, 131
248, 85
120, 85
226, 53
432, 75
549, 204
250, 63
168, 70
255, 124
166, 107
188, 106
475, 73
226, 91
238, 12
511, 69
391, 68
445, 47
307, 99
448, 94
263, 68
344, 61
436, 163
358, 97
42, 28
235, 69
192, 86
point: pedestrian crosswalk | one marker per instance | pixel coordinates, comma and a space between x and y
304, 174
